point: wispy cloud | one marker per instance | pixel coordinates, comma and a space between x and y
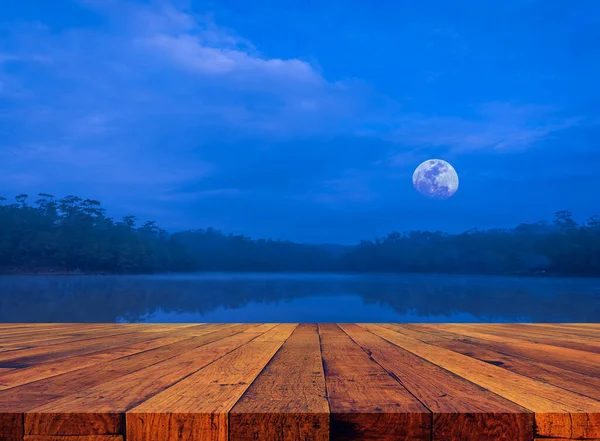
197, 54
155, 59
129, 105
159, 101
495, 127
196, 43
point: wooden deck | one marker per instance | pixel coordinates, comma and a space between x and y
287, 382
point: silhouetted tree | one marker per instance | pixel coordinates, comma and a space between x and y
74, 233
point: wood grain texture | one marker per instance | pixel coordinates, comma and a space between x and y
558, 412
366, 402
259, 382
461, 409
100, 410
573, 381
31, 395
287, 401
42, 329
25, 398
11, 426
74, 438
197, 408
586, 328
7, 348
57, 367
566, 358
43, 354
66, 336
543, 336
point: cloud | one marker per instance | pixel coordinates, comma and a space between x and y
196, 43
194, 53
134, 105
153, 61
180, 39
495, 127
156, 106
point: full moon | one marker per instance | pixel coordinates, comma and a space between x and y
435, 179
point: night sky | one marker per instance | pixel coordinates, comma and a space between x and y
303, 120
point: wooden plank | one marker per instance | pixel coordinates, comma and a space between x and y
549, 329
563, 439
165, 327
197, 407
430, 363
18, 377
12, 348
555, 330
33, 356
573, 381
40, 328
558, 412
11, 426
287, 401
585, 326
529, 335
70, 337
24, 398
263, 329
571, 359
74, 438
461, 409
39, 392
558, 331
37, 336
119, 337
25, 327
12, 336
64, 365
100, 410
366, 402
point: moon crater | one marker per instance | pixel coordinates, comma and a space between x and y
435, 179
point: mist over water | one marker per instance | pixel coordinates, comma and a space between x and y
215, 298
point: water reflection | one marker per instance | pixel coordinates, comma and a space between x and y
297, 298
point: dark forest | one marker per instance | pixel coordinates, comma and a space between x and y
75, 235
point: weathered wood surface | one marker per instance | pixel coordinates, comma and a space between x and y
288, 382
288, 401
74, 438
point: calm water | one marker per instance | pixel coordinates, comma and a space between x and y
297, 298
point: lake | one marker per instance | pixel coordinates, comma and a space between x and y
320, 298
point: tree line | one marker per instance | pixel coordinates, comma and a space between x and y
73, 234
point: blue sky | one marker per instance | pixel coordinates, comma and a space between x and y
303, 120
